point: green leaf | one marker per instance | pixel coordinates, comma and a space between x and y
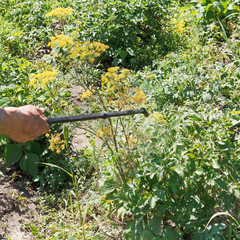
179, 169
4, 102
121, 212
199, 171
12, 154
131, 51
222, 184
146, 235
116, 61
135, 228
215, 164
108, 186
234, 112
190, 155
171, 233
123, 55
237, 193
153, 202
4, 139
29, 164
32, 147
34, 229
155, 225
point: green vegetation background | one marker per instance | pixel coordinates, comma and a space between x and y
185, 167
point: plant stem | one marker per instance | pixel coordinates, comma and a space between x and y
124, 132
74, 180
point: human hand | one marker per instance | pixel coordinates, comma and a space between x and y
23, 123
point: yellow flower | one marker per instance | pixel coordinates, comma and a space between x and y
77, 22
99, 133
97, 54
125, 71
87, 94
87, 51
86, 43
113, 69
115, 81
139, 96
158, 117
61, 41
91, 60
60, 12
132, 139
180, 26
56, 143
42, 79
104, 132
58, 151
150, 76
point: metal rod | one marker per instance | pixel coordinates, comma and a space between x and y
103, 115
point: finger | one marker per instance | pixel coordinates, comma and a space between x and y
40, 110
44, 126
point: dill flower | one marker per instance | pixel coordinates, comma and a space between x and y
158, 117
150, 76
125, 71
113, 69
114, 77
61, 41
56, 143
104, 132
42, 79
139, 96
180, 26
60, 12
132, 139
104, 81
88, 51
91, 60
86, 43
87, 94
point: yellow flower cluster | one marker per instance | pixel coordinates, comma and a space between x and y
179, 23
114, 83
114, 79
61, 41
60, 12
150, 76
56, 143
180, 26
88, 51
131, 140
42, 79
158, 117
104, 132
139, 96
87, 94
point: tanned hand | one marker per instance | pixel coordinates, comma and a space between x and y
23, 123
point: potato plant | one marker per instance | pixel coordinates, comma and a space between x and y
173, 175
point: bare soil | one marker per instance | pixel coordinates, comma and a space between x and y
17, 204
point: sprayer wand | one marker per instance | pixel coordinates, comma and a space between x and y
103, 115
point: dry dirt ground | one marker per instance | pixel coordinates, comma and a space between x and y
18, 205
